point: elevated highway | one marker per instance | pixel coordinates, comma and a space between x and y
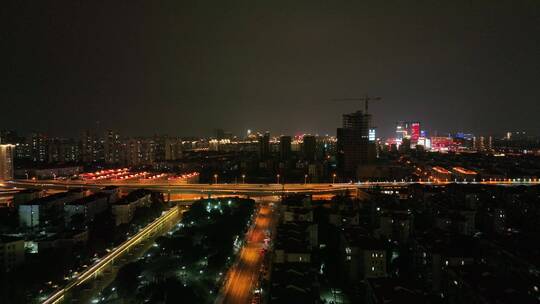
203, 189
251, 189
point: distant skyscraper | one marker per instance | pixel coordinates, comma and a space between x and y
309, 147
408, 130
482, 143
39, 148
6, 161
113, 148
402, 128
54, 150
92, 149
285, 147
372, 134
63, 150
415, 132
9, 137
264, 145
353, 143
220, 134
173, 148
160, 148
71, 151
140, 151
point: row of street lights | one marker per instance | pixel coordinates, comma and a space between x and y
216, 178
277, 178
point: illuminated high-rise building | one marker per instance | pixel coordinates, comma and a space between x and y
61, 150
91, 148
482, 143
402, 128
112, 148
372, 134
6, 161
415, 132
408, 130
39, 148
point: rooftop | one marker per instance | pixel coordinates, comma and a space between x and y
51, 198
88, 199
355, 236
393, 290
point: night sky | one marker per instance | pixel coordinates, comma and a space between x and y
188, 67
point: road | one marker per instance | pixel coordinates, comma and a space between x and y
116, 253
251, 189
243, 275
255, 189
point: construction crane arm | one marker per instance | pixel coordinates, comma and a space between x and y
365, 99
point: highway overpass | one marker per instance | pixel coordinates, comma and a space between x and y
249, 189
202, 189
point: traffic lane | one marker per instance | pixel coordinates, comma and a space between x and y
243, 275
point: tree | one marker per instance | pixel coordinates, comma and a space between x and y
127, 279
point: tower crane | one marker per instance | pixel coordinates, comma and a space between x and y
366, 99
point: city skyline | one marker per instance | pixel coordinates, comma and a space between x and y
190, 68
12, 135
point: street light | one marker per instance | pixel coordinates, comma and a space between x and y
277, 177
215, 178
243, 178
334, 178
305, 179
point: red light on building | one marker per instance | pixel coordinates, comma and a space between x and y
415, 132
443, 144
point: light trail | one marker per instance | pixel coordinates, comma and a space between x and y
242, 276
57, 296
265, 189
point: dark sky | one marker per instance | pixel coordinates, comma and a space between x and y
187, 67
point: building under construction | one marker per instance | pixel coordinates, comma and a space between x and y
353, 145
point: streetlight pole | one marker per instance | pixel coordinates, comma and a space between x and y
215, 178
305, 179
277, 178
243, 178
333, 178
